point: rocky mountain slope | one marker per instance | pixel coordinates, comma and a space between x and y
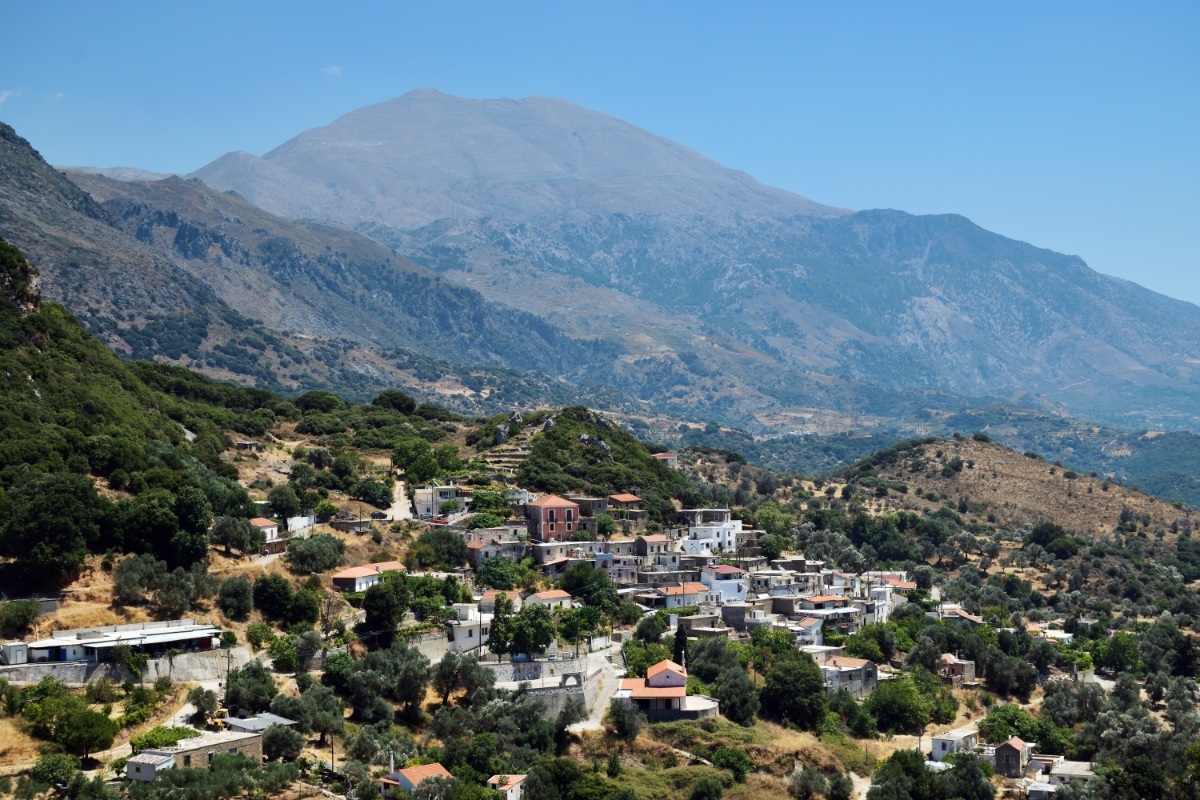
174, 271
725, 297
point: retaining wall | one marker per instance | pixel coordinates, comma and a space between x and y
210, 665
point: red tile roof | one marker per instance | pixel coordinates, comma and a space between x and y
823, 598
367, 570
553, 594
476, 545
502, 783
683, 589
552, 500
666, 665
263, 522
724, 569
625, 498
655, 537
638, 690
415, 775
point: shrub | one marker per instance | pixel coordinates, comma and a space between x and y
236, 597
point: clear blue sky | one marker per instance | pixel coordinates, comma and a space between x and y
1071, 125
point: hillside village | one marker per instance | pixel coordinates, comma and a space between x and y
221, 591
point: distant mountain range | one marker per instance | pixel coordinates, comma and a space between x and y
489, 253
712, 294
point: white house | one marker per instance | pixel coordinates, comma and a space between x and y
428, 500
469, 629
359, 579
959, 740
687, 594
729, 581
507, 785
554, 598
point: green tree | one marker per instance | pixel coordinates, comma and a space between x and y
83, 732
315, 554
590, 585
17, 616
272, 595
445, 675
497, 573
623, 721
283, 502
55, 769
280, 742
737, 696
794, 690
605, 525
735, 760
707, 789
448, 548
52, 522
533, 629
236, 597
651, 628
250, 687
236, 533
372, 491
396, 400
205, 703
899, 706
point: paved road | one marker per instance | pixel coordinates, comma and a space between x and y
609, 682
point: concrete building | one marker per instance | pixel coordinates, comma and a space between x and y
428, 500
554, 598
858, 676
469, 629
959, 740
256, 724
146, 765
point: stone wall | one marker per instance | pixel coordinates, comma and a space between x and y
209, 665
431, 645
556, 697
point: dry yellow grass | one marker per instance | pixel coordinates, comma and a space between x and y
16, 747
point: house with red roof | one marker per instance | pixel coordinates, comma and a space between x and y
688, 593
272, 541
407, 780
662, 694
727, 580
552, 518
507, 785
554, 598
359, 579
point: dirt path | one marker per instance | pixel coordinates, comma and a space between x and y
401, 508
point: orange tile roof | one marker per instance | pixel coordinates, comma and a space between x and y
664, 455
666, 665
552, 500
823, 598
369, 569
417, 774
553, 594
476, 545
638, 690
808, 622
1017, 743
502, 783
263, 522
684, 588
655, 537
625, 498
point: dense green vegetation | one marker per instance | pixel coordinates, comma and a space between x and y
579, 451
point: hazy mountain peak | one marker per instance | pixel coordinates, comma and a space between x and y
426, 156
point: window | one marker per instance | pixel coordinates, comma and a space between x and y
187, 761
233, 751
470, 634
568, 526
570, 515
137, 770
210, 758
550, 516
552, 527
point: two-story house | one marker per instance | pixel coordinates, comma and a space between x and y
552, 518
